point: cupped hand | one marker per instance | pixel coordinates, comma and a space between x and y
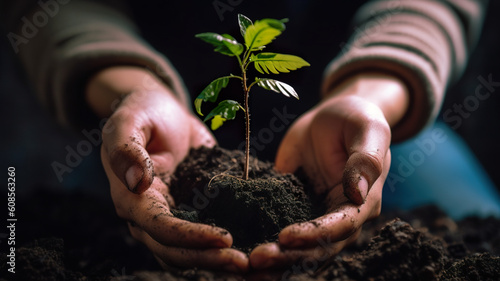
343, 146
143, 141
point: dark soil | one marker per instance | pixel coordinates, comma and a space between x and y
208, 187
75, 236
64, 235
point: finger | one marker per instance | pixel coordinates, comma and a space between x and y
226, 258
124, 147
335, 226
343, 220
361, 171
367, 146
150, 212
271, 255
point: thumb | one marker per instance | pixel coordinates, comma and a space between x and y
367, 142
361, 171
124, 146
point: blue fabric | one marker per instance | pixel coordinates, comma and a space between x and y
437, 167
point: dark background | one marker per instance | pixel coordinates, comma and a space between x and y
31, 140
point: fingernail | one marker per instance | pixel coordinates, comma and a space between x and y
133, 176
363, 187
356, 189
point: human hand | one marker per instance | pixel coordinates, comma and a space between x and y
343, 146
143, 141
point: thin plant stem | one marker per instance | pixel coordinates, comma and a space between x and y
247, 123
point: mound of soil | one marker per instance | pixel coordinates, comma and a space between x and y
208, 188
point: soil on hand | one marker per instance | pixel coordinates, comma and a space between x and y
208, 188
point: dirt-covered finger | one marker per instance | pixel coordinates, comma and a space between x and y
124, 140
151, 213
335, 226
367, 147
271, 255
226, 259
361, 171
343, 219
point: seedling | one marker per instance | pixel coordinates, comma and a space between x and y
256, 36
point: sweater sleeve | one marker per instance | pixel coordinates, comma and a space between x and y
63, 44
425, 43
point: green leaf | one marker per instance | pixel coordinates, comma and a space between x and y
217, 121
262, 32
211, 92
244, 23
277, 86
226, 110
224, 44
276, 63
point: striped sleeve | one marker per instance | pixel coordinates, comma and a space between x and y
425, 43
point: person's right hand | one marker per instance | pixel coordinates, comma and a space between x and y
342, 145
143, 141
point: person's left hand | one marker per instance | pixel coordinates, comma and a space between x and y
343, 145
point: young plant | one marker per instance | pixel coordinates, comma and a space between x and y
256, 36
